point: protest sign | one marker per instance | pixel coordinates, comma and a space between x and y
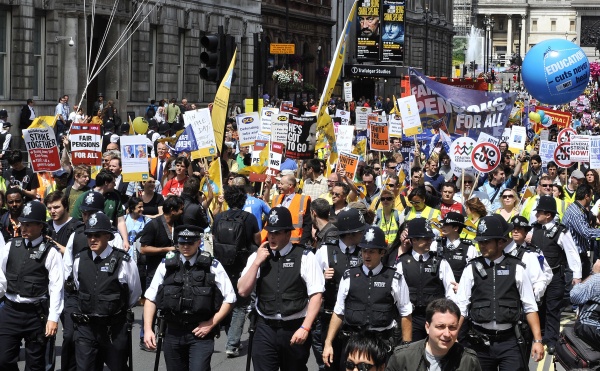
594, 152
362, 116
505, 135
266, 117
203, 134
302, 137
186, 142
287, 106
259, 145
344, 115
378, 129
349, 163
580, 148
562, 155
344, 138
564, 136
486, 138
275, 158
279, 128
43, 149
460, 152
411, 120
485, 157
348, 91
248, 126
559, 118
545, 134
86, 144
395, 125
547, 149
518, 136
134, 158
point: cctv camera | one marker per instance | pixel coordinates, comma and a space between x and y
71, 42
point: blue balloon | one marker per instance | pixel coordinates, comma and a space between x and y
555, 71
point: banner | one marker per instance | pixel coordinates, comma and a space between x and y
349, 163
559, 118
367, 31
266, 118
362, 117
594, 152
301, 137
458, 111
43, 149
219, 109
279, 128
409, 111
380, 139
392, 35
580, 148
186, 142
86, 144
395, 126
344, 138
200, 123
248, 125
134, 158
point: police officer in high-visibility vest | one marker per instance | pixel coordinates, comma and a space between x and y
372, 297
108, 285
31, 283
494, 291
194, 293
427, 275
335, 256
457, 251
289, 286
559, 249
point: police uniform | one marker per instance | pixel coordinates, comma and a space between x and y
284, 285
458, 252
427, 276
559, 249
31, 281
108, 286
492, 294
334, 253
188, 292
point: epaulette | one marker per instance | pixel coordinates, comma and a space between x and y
397, 275
330, 242
515, 259
78, 255
306, 252
346, 273
125, 254
204, 259
466, 241
215, 263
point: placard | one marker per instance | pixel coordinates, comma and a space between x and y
136, 168
395, 125
302, 137
564, 136
594, 152
505, 135
460, 152
547, 149
379, 133
485, 157
43, 149
259, 145
580, 148
344, 138
349, 163
562, 155
248, 125
344, 115
266, 117
362, 117
486, 138
545, 134
201, 122
86, 144
518, 136
411, 120
348, 91
279, 128
275, 157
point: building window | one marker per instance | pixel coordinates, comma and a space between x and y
180, 66
152, 62
552, 25
4, 53
572, 26
534, 25
39, 43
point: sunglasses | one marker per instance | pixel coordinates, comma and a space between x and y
390, 185
376, 168
336, 194
546, 185
468, 182
362, 366
387, 198
508, 196
414, 202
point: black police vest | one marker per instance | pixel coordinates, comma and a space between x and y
280, 289
80, 242
26, 272
422, 279
456, 257
340, 262
495, 296
548, 243
100, 292
189, 294
370, 301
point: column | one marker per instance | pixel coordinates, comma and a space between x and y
70, 81
522, 36
509, 36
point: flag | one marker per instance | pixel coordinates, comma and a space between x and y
216, 179
131, 131
395, 110
219, 108
360, 147
43, 121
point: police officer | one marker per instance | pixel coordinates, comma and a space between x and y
427, 275
492, 290
457, 251
335, 256
289, 286
371, 297
559, 249
194, 294
31, 281
109, 285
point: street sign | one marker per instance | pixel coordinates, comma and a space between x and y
277, 48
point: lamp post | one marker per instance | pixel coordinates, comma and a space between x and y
519, 59
566, 35
427, 17
486, 24
491, 54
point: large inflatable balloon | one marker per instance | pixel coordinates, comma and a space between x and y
140, 125
555, 71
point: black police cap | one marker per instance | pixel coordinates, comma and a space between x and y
188, 233
521, 222
350, 220
93, 201
279, 219
99, 223
419, 227
33, 212
454, 218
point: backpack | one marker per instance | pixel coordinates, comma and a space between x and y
230, 237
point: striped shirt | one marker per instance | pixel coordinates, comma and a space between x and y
576, 221
584, 292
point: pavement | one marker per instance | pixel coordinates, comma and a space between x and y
145, 360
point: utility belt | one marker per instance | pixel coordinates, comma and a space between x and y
487, 335
557, 270
184, 319
115, 319
27, 307
292, 324
348, 331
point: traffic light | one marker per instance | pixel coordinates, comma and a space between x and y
210, 57
472, 65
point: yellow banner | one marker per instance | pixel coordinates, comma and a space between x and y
41, 122
219, 109
136, 177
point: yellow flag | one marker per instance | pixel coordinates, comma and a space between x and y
216, 179
360, 147
219, 109
41, 122
131, 131
395, 110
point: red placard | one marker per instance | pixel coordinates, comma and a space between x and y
565, 135
485, 157
86, 144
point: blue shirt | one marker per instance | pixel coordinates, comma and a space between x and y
288, 164
257, 207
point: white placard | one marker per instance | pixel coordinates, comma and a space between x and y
518, 136
395, 126
505, 135
362, 115
344, 137
266, 116
545, 134
580, 148
547, 151
202, 127
594, 152
348, 91
248, 125
486, 138
411, 120
460, 152
279, 128
344, 115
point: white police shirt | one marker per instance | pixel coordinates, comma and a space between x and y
117, 243
540, 278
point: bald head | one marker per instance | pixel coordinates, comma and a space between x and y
289, 179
